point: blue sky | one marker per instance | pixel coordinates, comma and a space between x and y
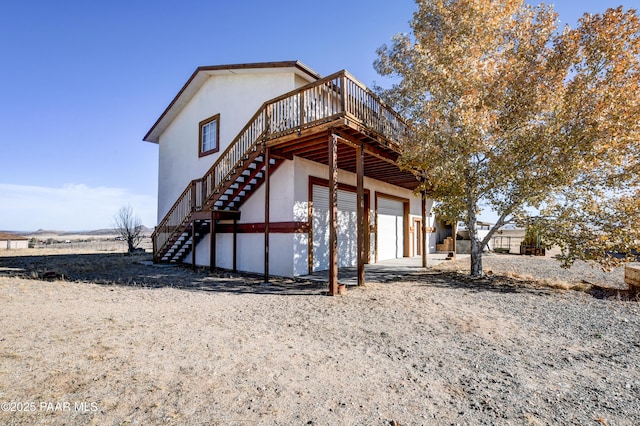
81, 82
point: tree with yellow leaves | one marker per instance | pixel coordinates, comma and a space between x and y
515, 115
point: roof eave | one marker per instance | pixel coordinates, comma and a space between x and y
199, 77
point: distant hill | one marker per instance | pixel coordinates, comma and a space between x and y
95, 232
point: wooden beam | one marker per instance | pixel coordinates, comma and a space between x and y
267, 190
360, 211
235, 245
193, 244
258, 228
423, 230
212, 243
333, 214
454, 229
155, 248
216, 214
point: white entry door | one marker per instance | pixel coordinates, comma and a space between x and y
390, 229
347, 228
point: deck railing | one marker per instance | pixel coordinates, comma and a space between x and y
335, 96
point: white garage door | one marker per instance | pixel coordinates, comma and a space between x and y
347, 228
390, 229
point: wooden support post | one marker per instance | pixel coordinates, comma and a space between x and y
454, 229
193, 244
212, 243
423, 231
360, 212
235, 245
154, 240
267, 190
333, 214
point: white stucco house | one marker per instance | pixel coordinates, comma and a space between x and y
253, 156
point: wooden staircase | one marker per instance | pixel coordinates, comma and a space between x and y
223, 203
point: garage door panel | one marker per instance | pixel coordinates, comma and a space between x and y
390, 229
347, 228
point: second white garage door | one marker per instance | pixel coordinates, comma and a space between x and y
390, 228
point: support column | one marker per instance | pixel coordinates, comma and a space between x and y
454, 229
235, 245
333, 214
423, 231
212, 243
360, 212
154, 239
267, 190
193, 244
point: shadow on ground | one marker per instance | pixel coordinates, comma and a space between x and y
139, 271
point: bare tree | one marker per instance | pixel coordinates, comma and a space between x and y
129, 227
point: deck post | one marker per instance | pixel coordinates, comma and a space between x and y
212, 243
235, 245
154, 238
423, 231
343, 94
360, 212
454, 231
193, 244
333, 214
267, 190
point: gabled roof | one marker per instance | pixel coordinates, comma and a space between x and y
12, 237
201, 74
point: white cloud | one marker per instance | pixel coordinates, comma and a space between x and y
73, 207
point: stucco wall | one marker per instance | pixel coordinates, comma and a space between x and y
14, 244
236, 98
250, 246
289, 202
280, 201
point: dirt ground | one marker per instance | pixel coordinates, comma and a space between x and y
105, 338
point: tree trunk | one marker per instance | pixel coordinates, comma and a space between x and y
476, 245
476, 257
